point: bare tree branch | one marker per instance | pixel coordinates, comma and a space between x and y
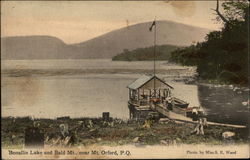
219, 14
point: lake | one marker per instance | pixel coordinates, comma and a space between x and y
88, 95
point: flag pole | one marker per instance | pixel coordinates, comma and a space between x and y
154, 44
154, 54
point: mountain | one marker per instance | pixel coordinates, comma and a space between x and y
105, 46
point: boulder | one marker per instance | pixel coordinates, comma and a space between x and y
231, 86
236, 89
245, 103
163, 142
178, 139
136, 139
228, 134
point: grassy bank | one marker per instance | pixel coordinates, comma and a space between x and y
86, 131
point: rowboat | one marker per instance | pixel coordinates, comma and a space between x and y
179, 103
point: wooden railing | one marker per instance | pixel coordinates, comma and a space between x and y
139, 102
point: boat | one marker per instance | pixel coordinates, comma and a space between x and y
178, 102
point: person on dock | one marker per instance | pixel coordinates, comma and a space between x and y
201, 122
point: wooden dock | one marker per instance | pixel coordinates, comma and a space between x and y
181, 118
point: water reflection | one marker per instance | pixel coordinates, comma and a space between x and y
223, 104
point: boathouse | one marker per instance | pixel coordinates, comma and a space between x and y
143, 92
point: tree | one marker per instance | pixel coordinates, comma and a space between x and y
233, 11
223, 56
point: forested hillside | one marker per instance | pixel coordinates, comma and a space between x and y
163, 52
223, 56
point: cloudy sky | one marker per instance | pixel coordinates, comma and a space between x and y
79, 21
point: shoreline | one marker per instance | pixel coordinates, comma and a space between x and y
87, 131
176, 74
55, 72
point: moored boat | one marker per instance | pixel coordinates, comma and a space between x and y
179, 103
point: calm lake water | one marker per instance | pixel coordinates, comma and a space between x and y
88, 95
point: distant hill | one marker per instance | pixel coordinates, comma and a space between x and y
163, 52
105, 46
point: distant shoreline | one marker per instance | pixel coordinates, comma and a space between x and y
55, 72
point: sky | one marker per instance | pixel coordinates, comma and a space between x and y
78, 21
